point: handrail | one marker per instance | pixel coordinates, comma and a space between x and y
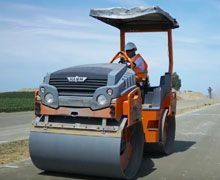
131, 96
122, 54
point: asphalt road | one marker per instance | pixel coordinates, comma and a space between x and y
196, 154
15, 126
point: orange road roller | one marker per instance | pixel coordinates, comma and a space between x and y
97, 119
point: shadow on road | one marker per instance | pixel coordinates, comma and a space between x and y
71, 176
151, 150
181, 146
147, 165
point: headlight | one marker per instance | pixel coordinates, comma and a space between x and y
101, 99
49, 98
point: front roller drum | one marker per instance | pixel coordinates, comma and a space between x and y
116, 157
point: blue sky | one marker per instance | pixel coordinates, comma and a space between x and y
41, 36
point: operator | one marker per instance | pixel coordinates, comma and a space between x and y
141, 66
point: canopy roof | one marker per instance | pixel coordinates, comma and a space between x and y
136, 19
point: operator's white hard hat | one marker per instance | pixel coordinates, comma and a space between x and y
130, 46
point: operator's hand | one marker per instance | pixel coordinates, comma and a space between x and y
129, 65
122, 61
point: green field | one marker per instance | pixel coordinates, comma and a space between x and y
16, 101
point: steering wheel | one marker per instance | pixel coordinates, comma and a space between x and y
122, 54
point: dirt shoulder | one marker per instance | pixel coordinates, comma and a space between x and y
189, 100
14, 151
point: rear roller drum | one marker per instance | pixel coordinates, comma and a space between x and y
167, 139
167, 145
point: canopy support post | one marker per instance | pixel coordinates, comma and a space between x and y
122, 40
170, 51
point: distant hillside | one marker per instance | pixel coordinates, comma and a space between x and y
27, 89
190, 95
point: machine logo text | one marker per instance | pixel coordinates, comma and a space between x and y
76, 79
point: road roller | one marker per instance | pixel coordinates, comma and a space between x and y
99, 119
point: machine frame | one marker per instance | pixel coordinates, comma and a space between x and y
106, 140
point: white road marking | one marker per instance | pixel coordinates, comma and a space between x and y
192, 133
10, 166
201, 114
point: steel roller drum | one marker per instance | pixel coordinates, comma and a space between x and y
83, 154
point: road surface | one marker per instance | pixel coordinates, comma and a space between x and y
196, 154
15, 126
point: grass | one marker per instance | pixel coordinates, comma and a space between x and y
16, 101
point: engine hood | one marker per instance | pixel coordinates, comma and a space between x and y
80, 86
91, 71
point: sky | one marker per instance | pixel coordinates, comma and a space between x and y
39, 37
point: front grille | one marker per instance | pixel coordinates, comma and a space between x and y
87, 88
